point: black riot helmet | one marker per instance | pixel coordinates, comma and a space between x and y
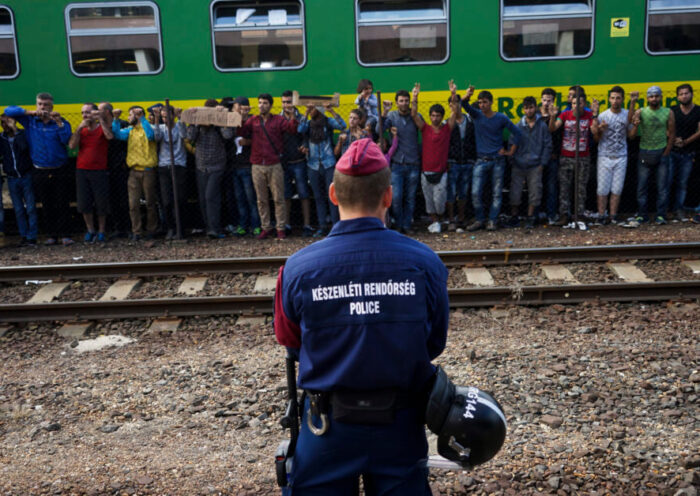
469, 423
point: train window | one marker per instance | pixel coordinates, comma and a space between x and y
9, 62
546, 29
114, 38
402, 32
258, 35
673, 26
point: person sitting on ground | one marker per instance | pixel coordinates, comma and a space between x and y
436, 144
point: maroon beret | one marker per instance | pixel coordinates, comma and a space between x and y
362, 158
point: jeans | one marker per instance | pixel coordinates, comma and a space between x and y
2, 210
648, 161
496, 168
551, 186
459, 178
246, 201
321, 180
22, 194
167, 196
295, 177
209, 188
680, 164
404, 181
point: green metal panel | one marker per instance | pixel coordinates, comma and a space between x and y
189, 72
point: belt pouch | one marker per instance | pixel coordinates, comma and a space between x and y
364, 407
433, 177
650, 157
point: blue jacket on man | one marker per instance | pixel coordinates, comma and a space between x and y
47, 141
535, 145
16, 161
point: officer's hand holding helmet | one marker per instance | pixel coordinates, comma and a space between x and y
469, 423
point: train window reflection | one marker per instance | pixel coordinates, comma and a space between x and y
114, 38
546, 29
258, 35
673, 26
9, 61
402, 32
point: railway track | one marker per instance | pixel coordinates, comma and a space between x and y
636, 288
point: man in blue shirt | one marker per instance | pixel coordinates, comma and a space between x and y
365, 310
405, 163
491, 155
48, 134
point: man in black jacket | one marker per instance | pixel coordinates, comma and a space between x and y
17, 165
461, 158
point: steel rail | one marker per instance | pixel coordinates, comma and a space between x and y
256, 305
164, 268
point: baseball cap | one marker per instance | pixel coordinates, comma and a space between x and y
241, 100
654, 90
362, 158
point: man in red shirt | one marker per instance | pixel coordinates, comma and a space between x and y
266, 132
436, 146
567, 164
92, 179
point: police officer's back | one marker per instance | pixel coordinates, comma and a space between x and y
366, 309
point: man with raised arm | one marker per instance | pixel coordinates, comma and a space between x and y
405, 163
491, 155
267, 146
610, 130
142, 160
436, 146
657, 131
48, 134
91, 139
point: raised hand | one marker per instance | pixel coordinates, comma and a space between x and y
416, 90
387, 104
470, 92
116, 113
595, 106
453, 87
634, 96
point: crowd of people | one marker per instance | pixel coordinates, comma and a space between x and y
460, 163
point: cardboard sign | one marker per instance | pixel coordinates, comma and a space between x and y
620, 27
317, 101
209, 116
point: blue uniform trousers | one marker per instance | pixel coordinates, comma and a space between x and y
390, 458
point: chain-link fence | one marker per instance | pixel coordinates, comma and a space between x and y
681, 185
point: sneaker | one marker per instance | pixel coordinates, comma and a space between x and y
230, 229
475, 226
320, 232
513, 221
101, 237
491, 226
169, 235
67, 241
634, 222
434, 228
216, 235
695, 219
307, 231
239, 232
552, 220
529, 222
50, 242
257, 231
31, 242
562, 221
266, 234
89, 237
281, 234
614, 220
660, 220
459, 230
581, 226
134, 237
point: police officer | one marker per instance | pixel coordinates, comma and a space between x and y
366, 310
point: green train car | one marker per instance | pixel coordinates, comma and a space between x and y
143, 51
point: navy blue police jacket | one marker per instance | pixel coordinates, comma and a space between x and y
366, 309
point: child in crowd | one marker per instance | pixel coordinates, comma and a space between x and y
367, 101
436, 144
354, 132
